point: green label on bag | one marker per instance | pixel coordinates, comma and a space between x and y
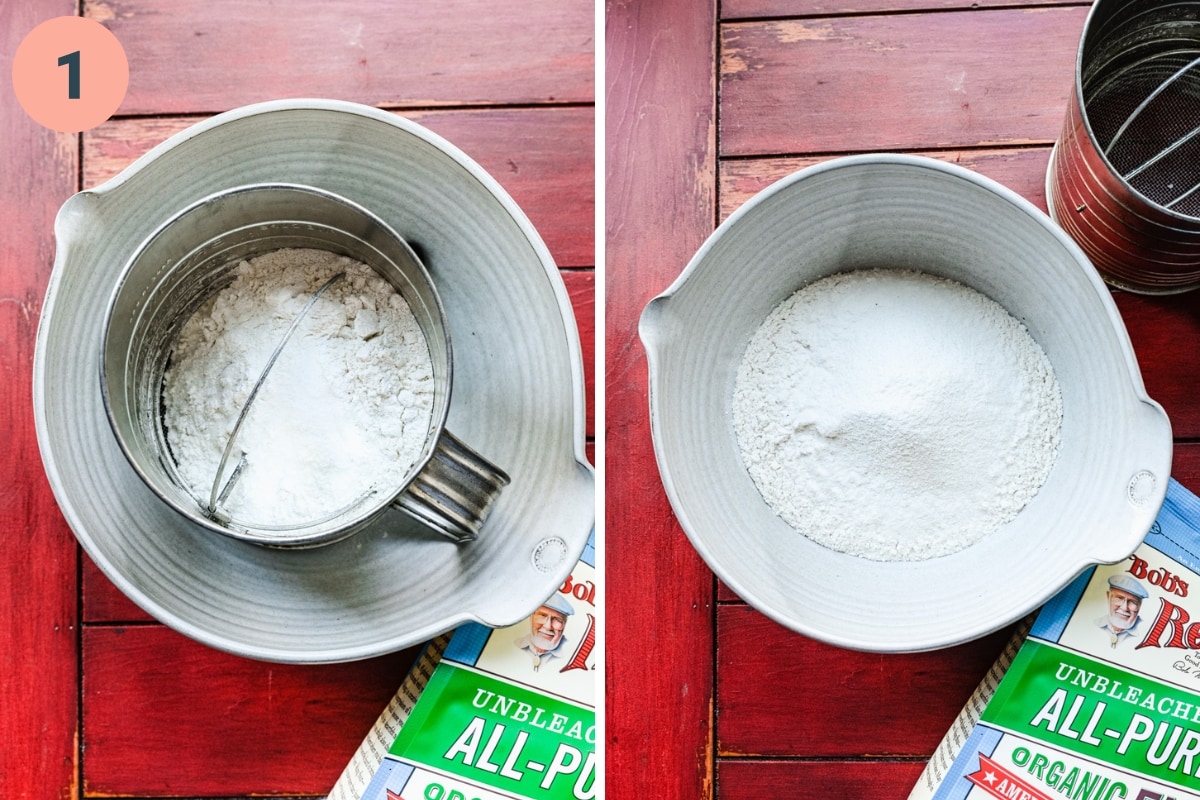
1097, 710
502, 735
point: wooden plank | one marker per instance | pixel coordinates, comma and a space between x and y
109, 148
581, 286
163, 711
897, 82
1021, 169
660, 205
780, 693
191, 57
753, 779
1164, 332
762, 9
543, 157
39, 625
1186, 465
103, 601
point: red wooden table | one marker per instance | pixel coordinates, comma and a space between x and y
705, 698
96, 698
706, 103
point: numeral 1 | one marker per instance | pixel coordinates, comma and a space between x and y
71, 62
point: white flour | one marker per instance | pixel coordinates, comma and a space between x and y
345, 408
895, 416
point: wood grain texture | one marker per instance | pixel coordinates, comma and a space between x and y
103, 601
783, 694
39, 625
169, 716
754, 779
1186, 465
1164, 332
760, 9
581, 286
846, 84
1021, 169
543, 157
194, 57
660, 189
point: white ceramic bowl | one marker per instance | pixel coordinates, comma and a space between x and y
518, 396
897, 211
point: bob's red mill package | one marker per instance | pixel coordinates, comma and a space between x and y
1100, 698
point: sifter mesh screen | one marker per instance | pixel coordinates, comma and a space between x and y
1140, 84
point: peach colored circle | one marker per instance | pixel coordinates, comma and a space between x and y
42, 84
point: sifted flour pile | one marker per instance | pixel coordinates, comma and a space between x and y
895, 416
345, 408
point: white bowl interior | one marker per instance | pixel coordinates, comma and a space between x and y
517, 397
912, 213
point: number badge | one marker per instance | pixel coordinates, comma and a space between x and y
70, 74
